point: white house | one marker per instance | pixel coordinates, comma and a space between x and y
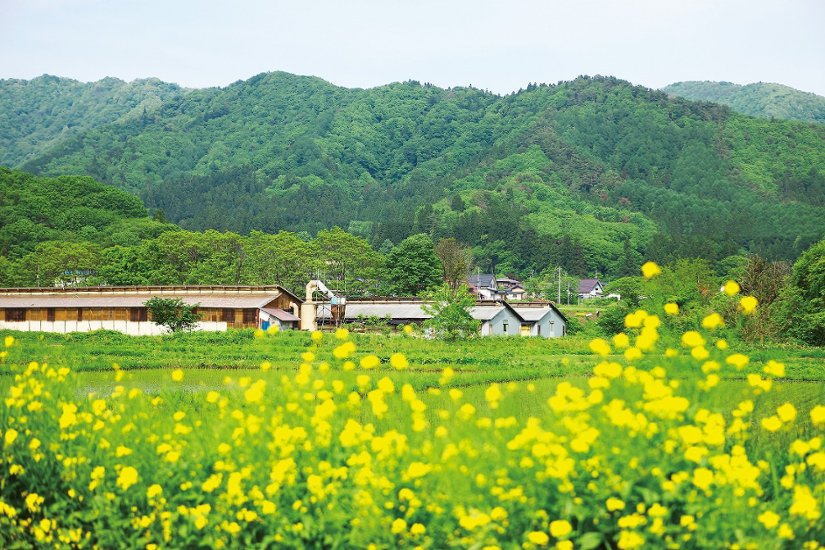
484, 286
590, 288
543, 320
498, 319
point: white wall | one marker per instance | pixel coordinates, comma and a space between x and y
145, 328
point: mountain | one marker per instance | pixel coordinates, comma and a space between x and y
762, 99
35, 114
592, 174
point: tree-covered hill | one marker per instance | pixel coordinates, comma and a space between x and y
35, 210
591, 174
761, 99
37, 113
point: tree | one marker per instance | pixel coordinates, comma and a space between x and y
802, 307
455, 260
450, 310
412, 266
173, 313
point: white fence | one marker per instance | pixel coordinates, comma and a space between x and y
143, 328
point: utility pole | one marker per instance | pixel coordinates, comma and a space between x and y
558, 298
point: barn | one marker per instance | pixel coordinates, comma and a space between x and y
83, 309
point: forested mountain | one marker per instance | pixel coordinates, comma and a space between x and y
761, 99
591, 174
37, 113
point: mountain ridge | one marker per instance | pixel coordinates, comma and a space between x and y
760, 99
630, 171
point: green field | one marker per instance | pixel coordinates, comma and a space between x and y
285, 440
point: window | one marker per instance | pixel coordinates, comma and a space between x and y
15, 314
138, 314
504, 327
228, 315
250, 316
50, 315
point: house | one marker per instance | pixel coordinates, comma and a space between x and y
590, 288
483, 286
497, 319
542, 319
84, 309
510, 289
514, 293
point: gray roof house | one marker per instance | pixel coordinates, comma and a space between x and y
543, 319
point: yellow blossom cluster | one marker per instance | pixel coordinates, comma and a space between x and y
355, 450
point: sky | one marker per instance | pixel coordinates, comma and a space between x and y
495, 45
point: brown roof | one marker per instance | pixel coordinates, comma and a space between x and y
88, 300
280, 314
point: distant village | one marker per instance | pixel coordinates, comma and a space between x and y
503, 308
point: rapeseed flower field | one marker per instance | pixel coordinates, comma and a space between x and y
651, 450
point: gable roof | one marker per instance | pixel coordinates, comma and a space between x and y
535, 314
482, 280
110, 297
587, 285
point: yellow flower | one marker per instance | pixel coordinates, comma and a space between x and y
621, 340
418, 469
344, 350
153, 491
692, 339
8, 341
722, 344
748, 304
731, 288
317, 336
818, 415
650, 270
786, 412
702, 478
408, 329
713, 321
539, 538
398, 526
10, 437
672, 309
127, 477
774, 369
560, 528
771, 423
599, 346
342, 334
614, 504
737, 360
370, 362
265, 366
177, 375
417, 528
769, 519
398, 361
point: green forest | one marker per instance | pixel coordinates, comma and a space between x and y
593, 174
761, 99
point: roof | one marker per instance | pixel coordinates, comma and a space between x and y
159, 290
395, 310
280, 314
85, 300
486, 312
538, 311
587, 285
482, 280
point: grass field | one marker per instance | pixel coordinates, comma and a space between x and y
373, 441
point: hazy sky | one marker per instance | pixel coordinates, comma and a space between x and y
500, 46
